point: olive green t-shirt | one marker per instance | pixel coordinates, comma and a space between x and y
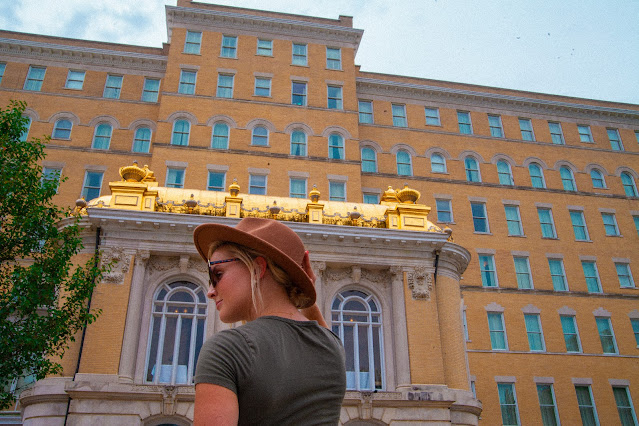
284, 372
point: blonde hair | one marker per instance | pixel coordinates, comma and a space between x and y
247, 256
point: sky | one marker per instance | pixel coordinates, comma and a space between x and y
581, 48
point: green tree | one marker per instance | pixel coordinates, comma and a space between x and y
43, 295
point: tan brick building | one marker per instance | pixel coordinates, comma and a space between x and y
532, 307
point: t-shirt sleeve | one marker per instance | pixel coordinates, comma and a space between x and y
225, 360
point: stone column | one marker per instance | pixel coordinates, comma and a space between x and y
133, 318
319, 268
400, 333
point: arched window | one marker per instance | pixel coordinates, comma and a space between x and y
220, 138
567, 179
102, 136
628, 183
336, 146
176, 333
62, 129
298, 143
597, 178
357, 320
260, 136
505, 173
404, 167
369, 160
142, 140
472, 169
25, 129
536, 176
181, 130
437, 163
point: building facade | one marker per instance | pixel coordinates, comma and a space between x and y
510, 281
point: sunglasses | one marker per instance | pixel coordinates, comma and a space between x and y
212, 278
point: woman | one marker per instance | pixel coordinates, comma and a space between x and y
283, 366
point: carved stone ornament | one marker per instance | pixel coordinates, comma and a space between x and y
334, 274
120, 264
168, 400
376, 276
162, 263
198, 264
420, 283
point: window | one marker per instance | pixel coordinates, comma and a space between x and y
259, 136
579, 226
102, 136
151, 89
536, 176
35, 77
513, 220
220, 138
624, 406
297, 188
192, 42
636, 131
466, 336
522, 271
181, 129
567, 179
365, 112
437, 163
75, 80
25, 129
504, 172
558, 274
216, 181
546, 222
176, 333
224, 86
334, 97
610, 224
615, 140
636, 220
299, 54
369, 160
635, 329
534, 332
508, 404
337, 191
336, 146
556, 135
257, 184
593, 283
487, 269
298, 143
113, 86
585, 135
628, 183
356, 318
586, 405
463, 119
432, 116
404, 167
187, 82
3, 67
547, 404
229, 47
262, 86
571, 335
174, 177
264, 47
497, 328
525, 125
606, 335
597, 178
399, 115
444, 211
480, 219
298, 93
62, 129
624, 275
333, 58
472, 169
51, 174
92, 185
369, 198
496, 128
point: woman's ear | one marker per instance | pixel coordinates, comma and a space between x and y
261, 265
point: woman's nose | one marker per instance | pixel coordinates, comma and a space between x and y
211, 293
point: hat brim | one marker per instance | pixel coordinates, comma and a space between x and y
204, 235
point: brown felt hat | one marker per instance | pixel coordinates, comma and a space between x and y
271, 238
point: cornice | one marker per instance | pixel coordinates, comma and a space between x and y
422, 92
82, 55
239, 22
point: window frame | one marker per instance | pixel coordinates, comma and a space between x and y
550, 224
594, 179
553, 275
264, 50
299, 58
146, 90
569, 334
465, 127
534, 333
624, 277
34, 82
628, 408
611, 336
535, 178
100, 139
403, 164
441, 211
181, 132
505, 176
398, 112
179, 173
333, 148
528, 133
585, 133
488, 270
113, 86
187, 87
223, 89
254, 185
73, 79
296, 95
591, 405
332, 62
628, 184
520, 230
443, 163
567, 179
634, 324
610, 226
3, 68
435, 119
302, 146
556, 133
218, 137
497, 332
614, 137
496, 128
593, 281
332, 186
504, 405
472, 175
228, 50
298, 180
56, 129
579, 226
256, 139
216, 173
527, 273
365, 117
368, 161
50, 174
260, 88
370, 198
484, 218
334, 97
192, 46
86, 187
543, 405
